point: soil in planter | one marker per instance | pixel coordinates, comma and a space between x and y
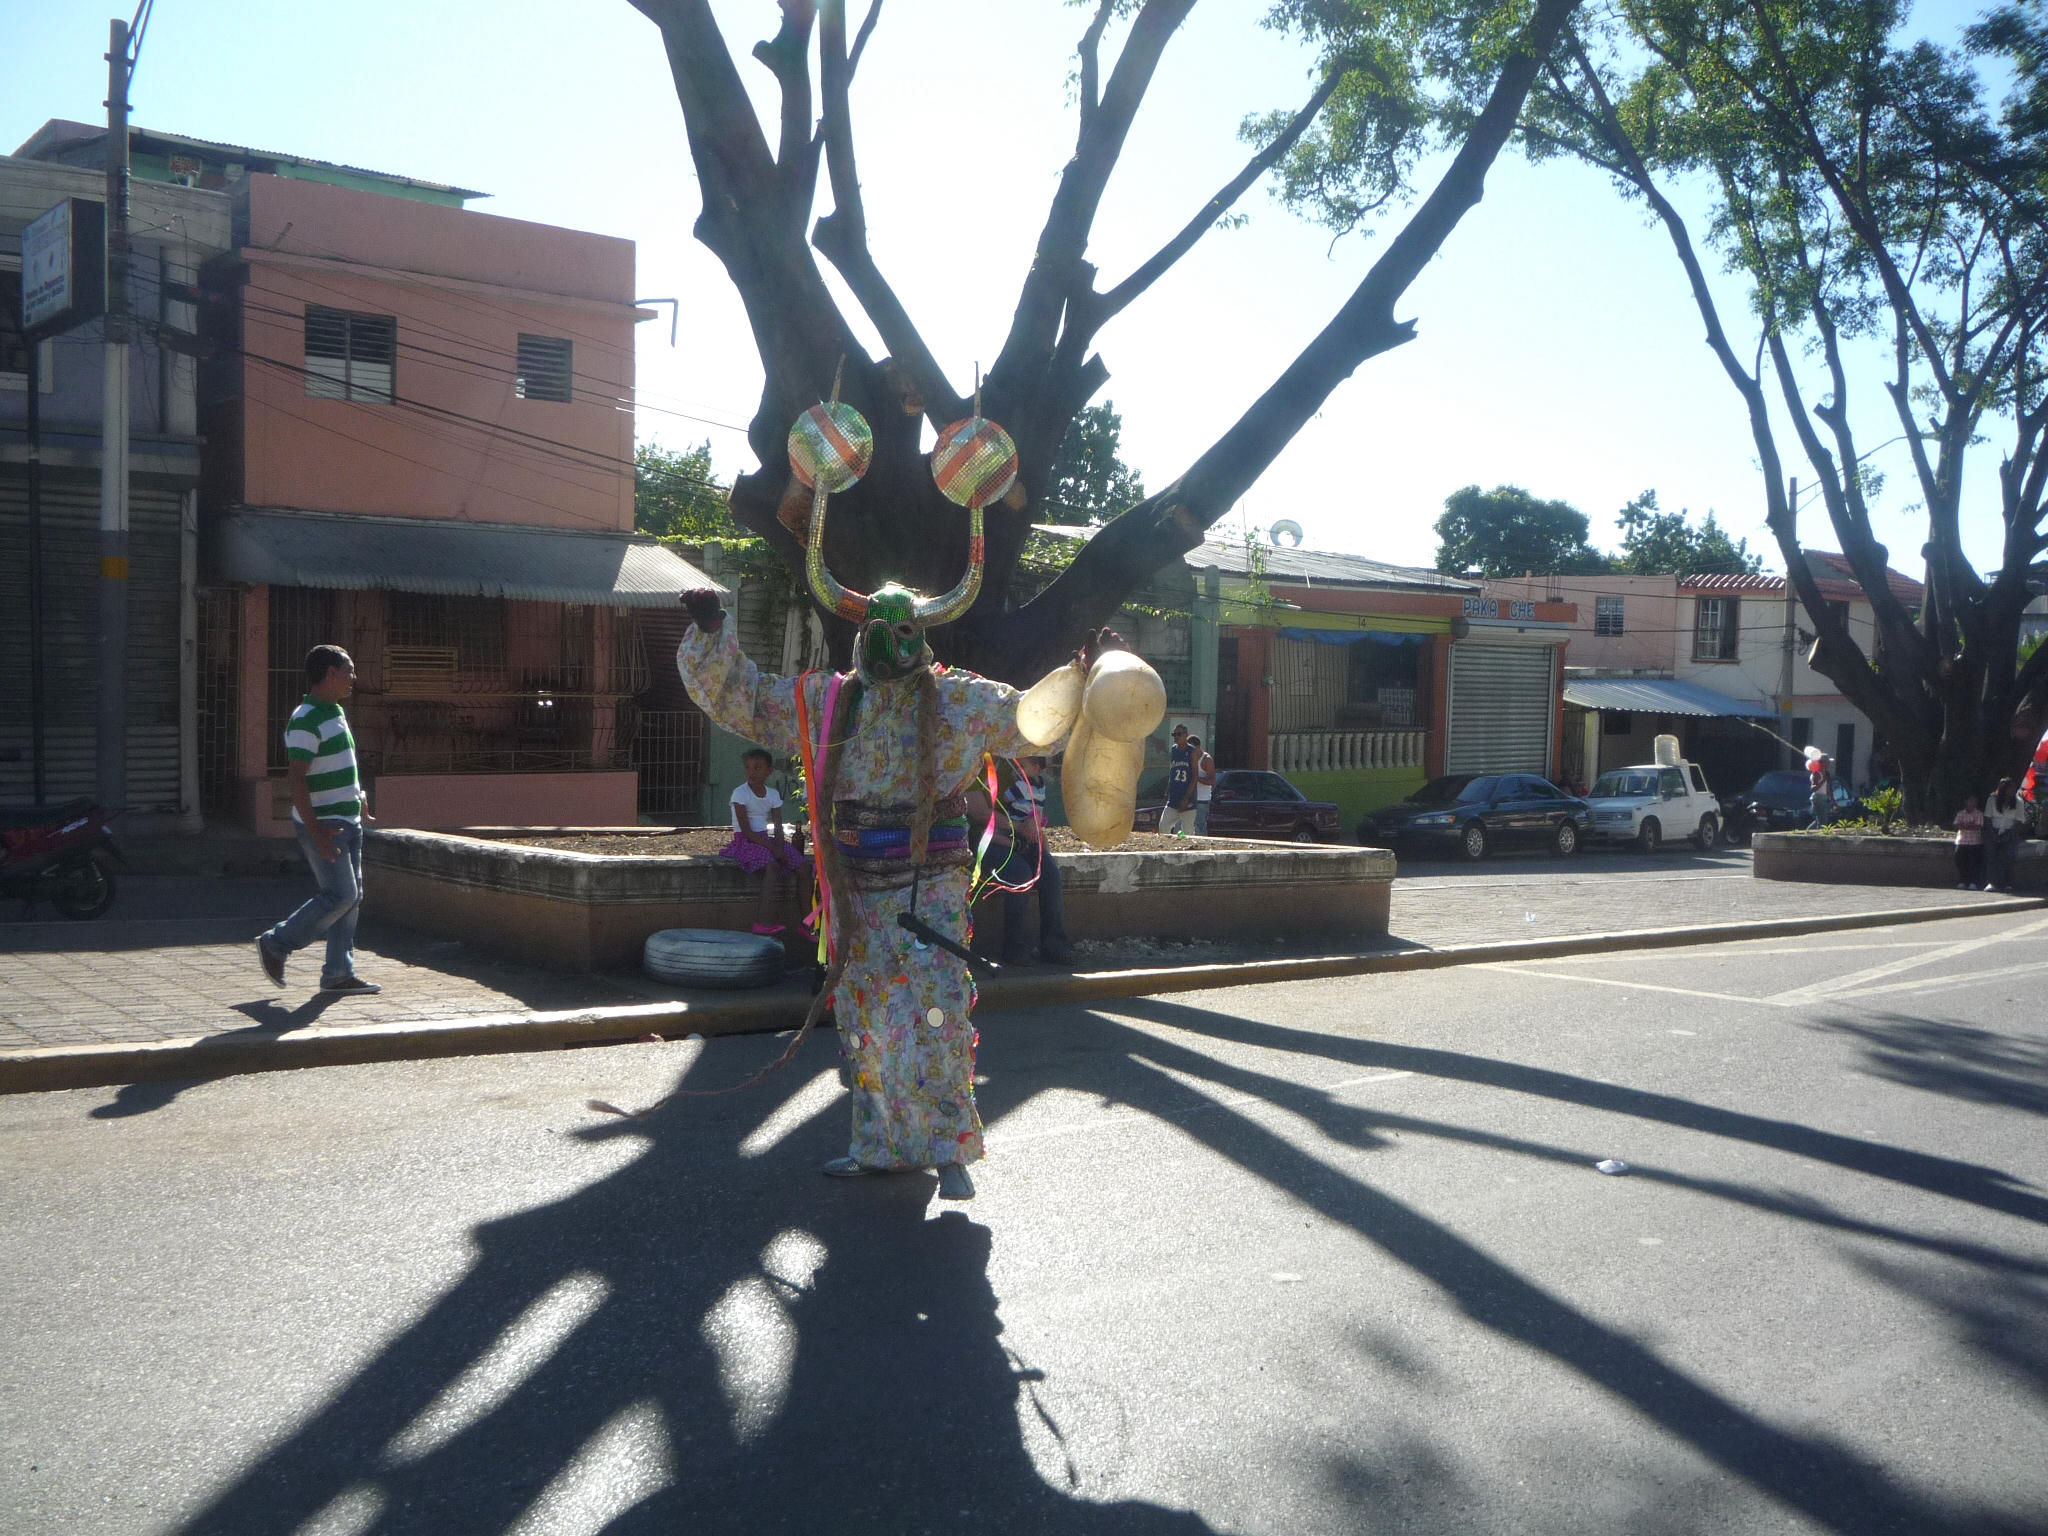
709, 840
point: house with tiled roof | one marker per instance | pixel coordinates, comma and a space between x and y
1718, 660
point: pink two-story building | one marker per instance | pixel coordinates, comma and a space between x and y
419, 442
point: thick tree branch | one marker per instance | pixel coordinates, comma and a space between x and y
1056, 276
860, 39
1119, 298
1090, 50
787, 56
1863, 688
843, 234
1167, 525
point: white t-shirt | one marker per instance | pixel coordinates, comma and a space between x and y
1999, 822
760, 809
1203, 791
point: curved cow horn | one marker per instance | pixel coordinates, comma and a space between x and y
944, 610
844, 601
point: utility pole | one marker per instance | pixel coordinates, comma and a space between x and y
111, 759
39, 780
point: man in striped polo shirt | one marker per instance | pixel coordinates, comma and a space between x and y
328, 815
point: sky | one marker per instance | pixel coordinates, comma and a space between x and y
1557, 347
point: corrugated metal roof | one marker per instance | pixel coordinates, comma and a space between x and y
277, 547
58, 135
1321, 566
1654, 696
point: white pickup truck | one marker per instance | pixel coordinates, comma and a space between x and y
1656, 802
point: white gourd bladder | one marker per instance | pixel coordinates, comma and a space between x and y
1049, 708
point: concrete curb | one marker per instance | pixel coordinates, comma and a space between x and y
253, 1050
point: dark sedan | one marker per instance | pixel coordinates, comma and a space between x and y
1781, 801
1251, 802
1476, 812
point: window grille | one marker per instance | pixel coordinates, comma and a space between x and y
13, 344
433, 637
350, 356
1607, 616
300, 618
668, 753
544, 368
220, 640
1716, 628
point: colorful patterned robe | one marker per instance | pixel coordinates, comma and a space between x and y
913, 1079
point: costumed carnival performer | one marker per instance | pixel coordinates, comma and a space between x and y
889, 749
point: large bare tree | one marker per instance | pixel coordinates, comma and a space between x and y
759, 197
1878, 206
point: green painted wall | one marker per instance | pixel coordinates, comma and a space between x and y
1358, 790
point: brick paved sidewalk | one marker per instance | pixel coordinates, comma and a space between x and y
145, 986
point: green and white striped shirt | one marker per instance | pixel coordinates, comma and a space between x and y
317, 734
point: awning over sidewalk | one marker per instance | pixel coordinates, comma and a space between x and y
1659, 696
280, 548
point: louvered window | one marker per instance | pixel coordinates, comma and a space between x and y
350, 356
1716, 629
1607, 616
544, 368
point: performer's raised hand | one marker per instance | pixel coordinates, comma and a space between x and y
704, 608
1104, 639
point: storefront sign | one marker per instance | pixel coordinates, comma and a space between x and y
63, 267
1494, 608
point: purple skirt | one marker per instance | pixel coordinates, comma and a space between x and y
753, 858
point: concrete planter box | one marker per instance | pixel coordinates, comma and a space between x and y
579, 911
1857, 858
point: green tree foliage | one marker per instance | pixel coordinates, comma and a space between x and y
1884, 201
676, 495
1089, 481
1506, 532
1655, 543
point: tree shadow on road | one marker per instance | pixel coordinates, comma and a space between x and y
702, 1340
1958, 1061
712, 1338
1832, 1485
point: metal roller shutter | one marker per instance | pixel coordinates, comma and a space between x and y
1503, 704
71, 519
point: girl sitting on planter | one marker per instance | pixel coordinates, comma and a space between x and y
758, 843
1969, 845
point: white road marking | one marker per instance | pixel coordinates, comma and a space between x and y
1855, 981
1931, 983
1519, 969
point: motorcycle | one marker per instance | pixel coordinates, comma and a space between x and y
60, 854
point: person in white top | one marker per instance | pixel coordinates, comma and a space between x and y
758, 841
2005, 828
1205, 783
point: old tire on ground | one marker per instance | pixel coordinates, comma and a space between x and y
1472, 841
712, 957
1566, 842
1649, 835
1709, 832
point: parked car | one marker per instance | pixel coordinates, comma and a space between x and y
1651, 803
1473, 813
1780, 801
1252, 802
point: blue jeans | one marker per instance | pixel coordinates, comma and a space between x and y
335, 908
1052, 919
1201, 817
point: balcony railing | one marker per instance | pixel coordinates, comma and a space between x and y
1336, 751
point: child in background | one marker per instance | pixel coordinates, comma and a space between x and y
758, 844
1969, 846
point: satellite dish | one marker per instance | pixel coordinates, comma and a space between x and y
1287, 528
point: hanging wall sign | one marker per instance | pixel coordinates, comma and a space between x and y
64, 267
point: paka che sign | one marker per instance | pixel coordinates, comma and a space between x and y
64, 267
1494, 608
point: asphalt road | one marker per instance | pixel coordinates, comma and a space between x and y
1327, 1257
